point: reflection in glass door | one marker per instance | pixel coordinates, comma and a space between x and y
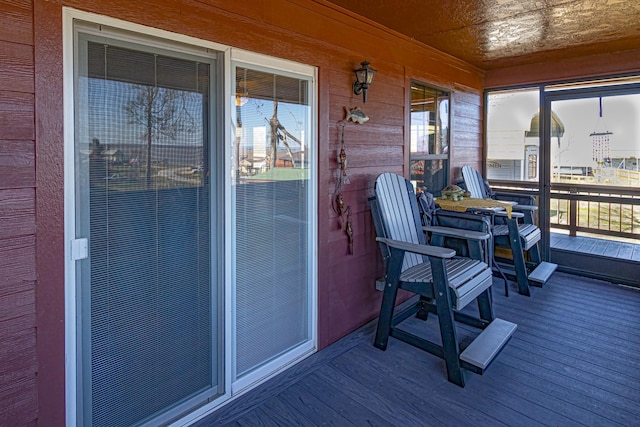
148, 313
273, 220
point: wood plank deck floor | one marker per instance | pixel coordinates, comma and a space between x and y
574, 360
596, 246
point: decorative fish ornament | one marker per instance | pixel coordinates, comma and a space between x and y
356, 115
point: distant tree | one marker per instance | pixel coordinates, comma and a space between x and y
279, 133
161, 112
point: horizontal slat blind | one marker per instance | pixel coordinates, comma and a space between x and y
147, 315
271, 218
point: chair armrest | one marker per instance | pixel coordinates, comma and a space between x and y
521, 199
496, 212
434, 251
524, 208
457, 232
513, 214
485, 211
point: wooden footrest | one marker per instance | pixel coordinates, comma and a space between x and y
481, 352
542, 272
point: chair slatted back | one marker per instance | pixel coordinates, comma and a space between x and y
397, 210
474, 182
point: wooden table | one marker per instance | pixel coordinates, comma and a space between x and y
470, 203
487, 206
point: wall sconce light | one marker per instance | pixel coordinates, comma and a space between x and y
364, 77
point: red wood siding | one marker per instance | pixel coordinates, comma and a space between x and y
18, 359
306, 31
49, 211
575, 68
466, 131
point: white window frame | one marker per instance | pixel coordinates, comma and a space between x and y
243, 58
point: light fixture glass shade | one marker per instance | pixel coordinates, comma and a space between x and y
361, 75
365, 74
364, 77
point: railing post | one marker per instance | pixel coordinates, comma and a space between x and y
573, 212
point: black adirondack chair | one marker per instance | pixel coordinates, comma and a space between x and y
445, 283
520, 234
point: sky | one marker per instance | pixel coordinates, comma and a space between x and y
512, 112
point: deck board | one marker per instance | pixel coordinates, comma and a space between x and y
574, 360
625, 250
600, 247
575, 405
596, 246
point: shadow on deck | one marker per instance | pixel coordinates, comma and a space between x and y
574, 360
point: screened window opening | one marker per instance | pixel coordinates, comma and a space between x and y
513, 134
429, 140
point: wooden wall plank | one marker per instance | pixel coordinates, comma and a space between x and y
17, 259
16, 115
389, 115
16, 21
19, 402
17, 165
573, 68
18, 359
466, 110
18, 305
466, 132
464, 139
468, 96
18, 353
16, 67
369, 155
17, 213
373, 135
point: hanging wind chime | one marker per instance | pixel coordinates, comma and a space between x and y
357, 116
341, 179
601, 142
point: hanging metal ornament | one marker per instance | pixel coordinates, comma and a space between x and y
600, 141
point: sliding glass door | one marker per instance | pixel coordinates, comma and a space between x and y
593, 147
144, 184
191, 273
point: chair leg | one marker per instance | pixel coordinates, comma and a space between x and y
518, 257
386, 315
534, 254
485, 305
492, 262
450, 347
392, 283
423, 308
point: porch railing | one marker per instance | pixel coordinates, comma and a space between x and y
594, 209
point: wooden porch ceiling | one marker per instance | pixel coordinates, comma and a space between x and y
493, 34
